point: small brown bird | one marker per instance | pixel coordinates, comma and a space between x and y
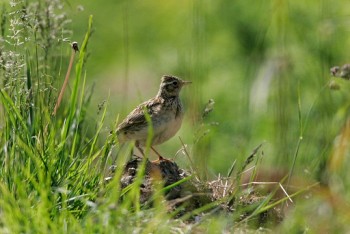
165, 111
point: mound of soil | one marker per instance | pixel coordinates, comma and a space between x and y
192, 193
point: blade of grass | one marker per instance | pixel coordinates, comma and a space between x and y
13, 111
79, 70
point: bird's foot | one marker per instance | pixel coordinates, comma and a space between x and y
161, 159
137, 156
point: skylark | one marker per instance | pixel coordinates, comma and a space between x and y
165, 111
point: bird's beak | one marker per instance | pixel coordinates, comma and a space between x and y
186, 82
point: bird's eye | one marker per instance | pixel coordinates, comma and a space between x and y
176, 83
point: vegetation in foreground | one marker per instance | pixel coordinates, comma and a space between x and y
55, 170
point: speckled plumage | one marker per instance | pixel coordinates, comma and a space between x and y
165, 111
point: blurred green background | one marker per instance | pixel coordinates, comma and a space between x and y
265, 63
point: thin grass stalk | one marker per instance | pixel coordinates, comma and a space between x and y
296, 153
60, 96
98, 130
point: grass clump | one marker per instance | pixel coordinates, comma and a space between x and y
49, 177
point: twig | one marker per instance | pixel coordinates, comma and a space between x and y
58, 103
268, 183
187, 154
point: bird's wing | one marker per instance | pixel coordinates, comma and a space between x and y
137, 116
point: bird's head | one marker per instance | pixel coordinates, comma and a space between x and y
170, 86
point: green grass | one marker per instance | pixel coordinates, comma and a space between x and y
53, 167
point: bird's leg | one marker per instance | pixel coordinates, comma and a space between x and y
160, 157
139, 148
158, 154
